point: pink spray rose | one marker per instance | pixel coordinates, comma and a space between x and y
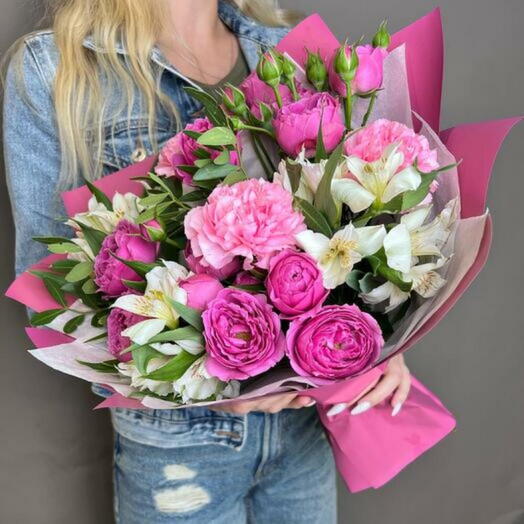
253, 219
294, 284
369, 74
370, 143
296, 124
127, 243
117, 321
195, 265
180, 150
338, 342
201, 289
243, 335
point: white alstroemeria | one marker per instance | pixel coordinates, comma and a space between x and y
125, 206
281, 177
197, 384
375, 182
141, 383
195, 347
412, 238
86, 255
425, 281
337, 255
162, 285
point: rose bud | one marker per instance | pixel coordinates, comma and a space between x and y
234, 101
201, 289
153, 231
269, 69
382, 37
345, 63
316, 71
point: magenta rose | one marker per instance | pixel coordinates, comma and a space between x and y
181, 151
194, 263
243, 335
245, 278
125, 242
201, 289
118, 321
338, 342
294, 284
296, 124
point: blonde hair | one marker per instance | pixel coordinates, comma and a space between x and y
78, 92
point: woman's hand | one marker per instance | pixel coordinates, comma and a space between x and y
268, 404
396, 380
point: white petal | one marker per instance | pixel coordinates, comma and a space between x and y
137, 304
347, 233
334, 274
144, 331
195, 347
393, 159
351, 193
356, 166
407, 180
415, 218
387, 291
370, 239
167, 348
313, 243
397, 245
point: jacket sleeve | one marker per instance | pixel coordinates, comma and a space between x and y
32, 158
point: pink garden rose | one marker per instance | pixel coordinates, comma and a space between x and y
117, 321
337, 343
294, 284
296, 124
180, 150
243, 335
369, 74
370, 143
253, 219
245, 278
127, 243
201, 289
195, 265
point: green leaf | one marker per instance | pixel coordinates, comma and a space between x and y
89, 287
152, 212
153, 199
64, 266
109, 366
55, 290
72, 325
100, 196
234, 178
97, 338
353, 279
192, 316
51, 240
213, 172
211, 107
93, 237
315, 220
59, 279
202, 154
321, 153
368, 283
202, 162
218, 136
294, 172
195, 196
139, 286
324, 200
63, 248
142, 355
183, 333
81, 271
188, 169
412, 198
380, 267
141, 268
99, 319
195, 135
175, 368
222, 158
45, 317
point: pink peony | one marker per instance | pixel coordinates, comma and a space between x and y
127, 243
294, 284
369, 72
337, 343
201, 289
296, 125
194, 264
253, 219
118, 321
243, 335
181, 151
370, 143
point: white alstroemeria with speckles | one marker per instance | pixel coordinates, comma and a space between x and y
197, 384
162, 285
425, 281
141, 383
337, 255
375, 182
125, 207
412, 238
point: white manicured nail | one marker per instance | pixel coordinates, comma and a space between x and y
336, 409
360, 408
396, 409
312, 403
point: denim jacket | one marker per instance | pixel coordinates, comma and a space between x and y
31, 146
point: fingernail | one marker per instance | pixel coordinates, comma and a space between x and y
312, 403
396, 409
336, 409
360, 408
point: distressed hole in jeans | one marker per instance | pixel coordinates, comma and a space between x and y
178, 472
181, 500
230, 434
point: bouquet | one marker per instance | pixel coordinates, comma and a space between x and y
313, 224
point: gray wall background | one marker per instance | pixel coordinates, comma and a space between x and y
55, 453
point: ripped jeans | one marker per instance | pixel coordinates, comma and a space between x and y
200, 466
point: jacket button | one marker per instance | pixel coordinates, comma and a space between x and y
138, 155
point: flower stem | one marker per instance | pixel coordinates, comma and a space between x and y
263, 157
348, 100
370, 108
278, 97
